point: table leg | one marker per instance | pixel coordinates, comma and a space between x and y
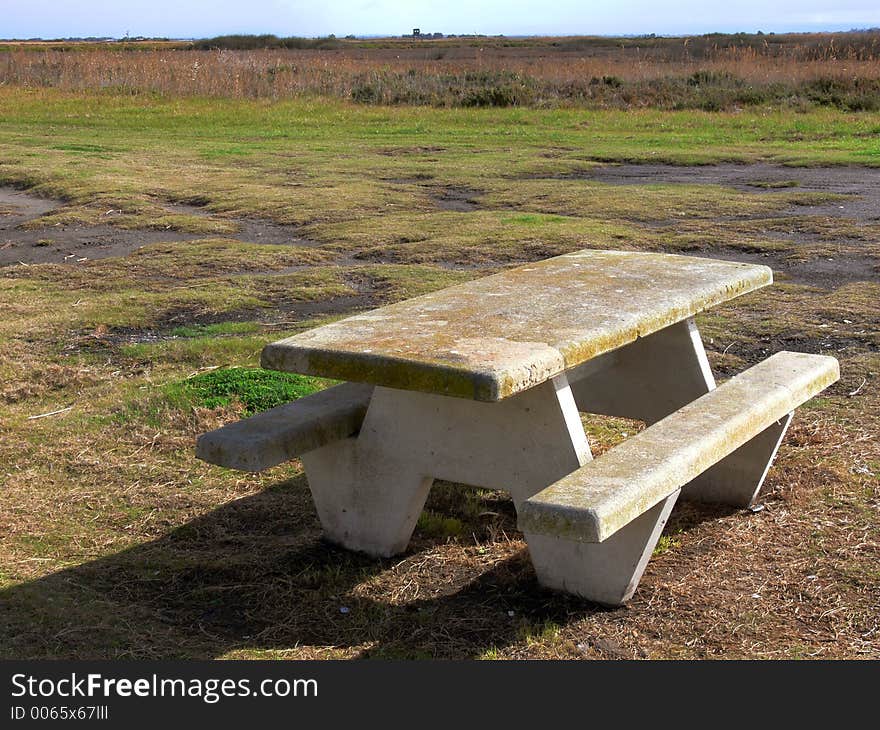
605, 572
369, 490
649, 378
658, 374
737, 479
646, 380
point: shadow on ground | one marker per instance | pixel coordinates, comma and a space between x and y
254, 575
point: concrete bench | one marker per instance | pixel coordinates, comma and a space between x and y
593, 531
279, 434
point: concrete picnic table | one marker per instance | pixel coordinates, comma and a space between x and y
494, 337
483, 384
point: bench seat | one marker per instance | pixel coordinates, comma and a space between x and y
279, 434
606, 495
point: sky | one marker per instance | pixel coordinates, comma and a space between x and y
206, 18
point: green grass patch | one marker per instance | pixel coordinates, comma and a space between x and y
432, 524
533, 219
665, 544
817, 404
532, 633
198, 352
236, 151
256, 389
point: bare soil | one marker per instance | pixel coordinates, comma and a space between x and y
72, 244
860, 185
75, 244
456, 198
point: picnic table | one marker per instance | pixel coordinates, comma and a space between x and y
483, 384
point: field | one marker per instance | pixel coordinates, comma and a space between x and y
712, 73
152, 240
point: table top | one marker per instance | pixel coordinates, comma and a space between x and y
493, 337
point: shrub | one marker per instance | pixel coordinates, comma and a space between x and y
711, 78
491, 96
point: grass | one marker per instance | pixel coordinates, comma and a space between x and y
254, 389
435, 525
117, 543
665, 544
136, 217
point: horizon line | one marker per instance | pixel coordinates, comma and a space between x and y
427, 35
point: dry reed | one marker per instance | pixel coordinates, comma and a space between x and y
672, 76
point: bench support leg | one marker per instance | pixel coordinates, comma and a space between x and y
370, 490
364, 503
605, 572
648, 379
737, 479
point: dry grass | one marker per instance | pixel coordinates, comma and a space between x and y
129, 548
117, 543
786, 582
680, 73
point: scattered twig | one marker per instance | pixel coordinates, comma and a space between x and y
75, 628
856, 391
192, 286
50, 413
205, 369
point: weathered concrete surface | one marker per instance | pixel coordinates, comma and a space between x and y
606, 572
738, 477
493, 337
279, 434
647, 379
603, 496
369, 491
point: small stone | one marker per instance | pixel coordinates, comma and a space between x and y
611, 647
